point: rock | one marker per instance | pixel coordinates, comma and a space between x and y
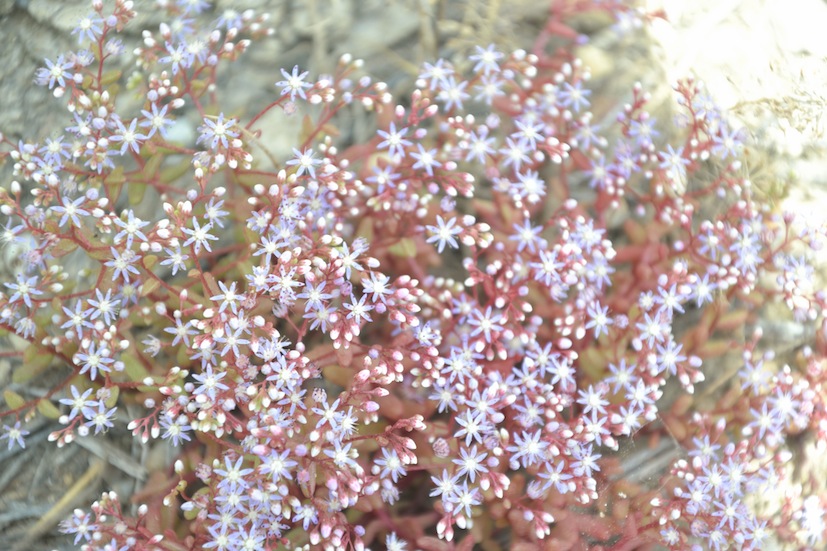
6, 7
378, 30
63, 15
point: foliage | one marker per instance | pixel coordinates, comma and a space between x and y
421, 341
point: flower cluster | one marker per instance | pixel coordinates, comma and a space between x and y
436, 334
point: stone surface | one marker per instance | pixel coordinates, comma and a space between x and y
63, 16
766, 62
6, 7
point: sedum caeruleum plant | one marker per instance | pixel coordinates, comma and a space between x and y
446, 336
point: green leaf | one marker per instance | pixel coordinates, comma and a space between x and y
212, 286
35, 362
149, 287
113, 396
337, 375
110, 77
151, 167
48, 409
114, 89
593, 363
100, 253
134, 369
114, 182
22, 374
197, 87
135, 191
182, 355
63, 247
172, 173
405, 248
13, 399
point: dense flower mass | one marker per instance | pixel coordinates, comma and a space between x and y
438, 335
